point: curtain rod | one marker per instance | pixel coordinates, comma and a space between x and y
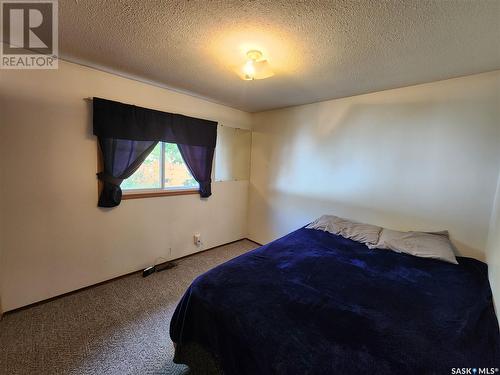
232, 127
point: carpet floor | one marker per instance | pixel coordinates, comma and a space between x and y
120, 327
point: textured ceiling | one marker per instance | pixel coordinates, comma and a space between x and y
319, 49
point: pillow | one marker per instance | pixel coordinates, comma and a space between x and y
365, 233
435, 245
321, 222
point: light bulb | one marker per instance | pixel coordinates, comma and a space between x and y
249, 70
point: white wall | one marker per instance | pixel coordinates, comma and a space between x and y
493, 250
424, 157
54, 238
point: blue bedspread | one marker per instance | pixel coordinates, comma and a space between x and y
316, 303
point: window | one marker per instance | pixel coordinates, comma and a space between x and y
162, 173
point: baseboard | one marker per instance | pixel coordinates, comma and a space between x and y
255, 242
112, 279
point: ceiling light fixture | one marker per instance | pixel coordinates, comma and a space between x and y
256, 67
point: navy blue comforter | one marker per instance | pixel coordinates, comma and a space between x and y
316, 303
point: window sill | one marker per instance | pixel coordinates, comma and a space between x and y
162, 193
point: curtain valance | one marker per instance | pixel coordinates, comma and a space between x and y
124, 121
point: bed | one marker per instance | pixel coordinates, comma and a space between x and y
313, 302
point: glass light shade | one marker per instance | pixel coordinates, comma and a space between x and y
252, 70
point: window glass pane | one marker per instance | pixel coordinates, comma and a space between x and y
148, 174
176, 173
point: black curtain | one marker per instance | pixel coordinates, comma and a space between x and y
127, 134
199, 162
121, 158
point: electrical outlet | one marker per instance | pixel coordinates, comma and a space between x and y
197, 239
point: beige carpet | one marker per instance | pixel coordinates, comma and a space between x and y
120, 327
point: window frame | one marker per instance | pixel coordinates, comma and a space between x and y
162, 191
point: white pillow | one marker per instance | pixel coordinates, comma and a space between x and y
364, 233
426, 245
322, 222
